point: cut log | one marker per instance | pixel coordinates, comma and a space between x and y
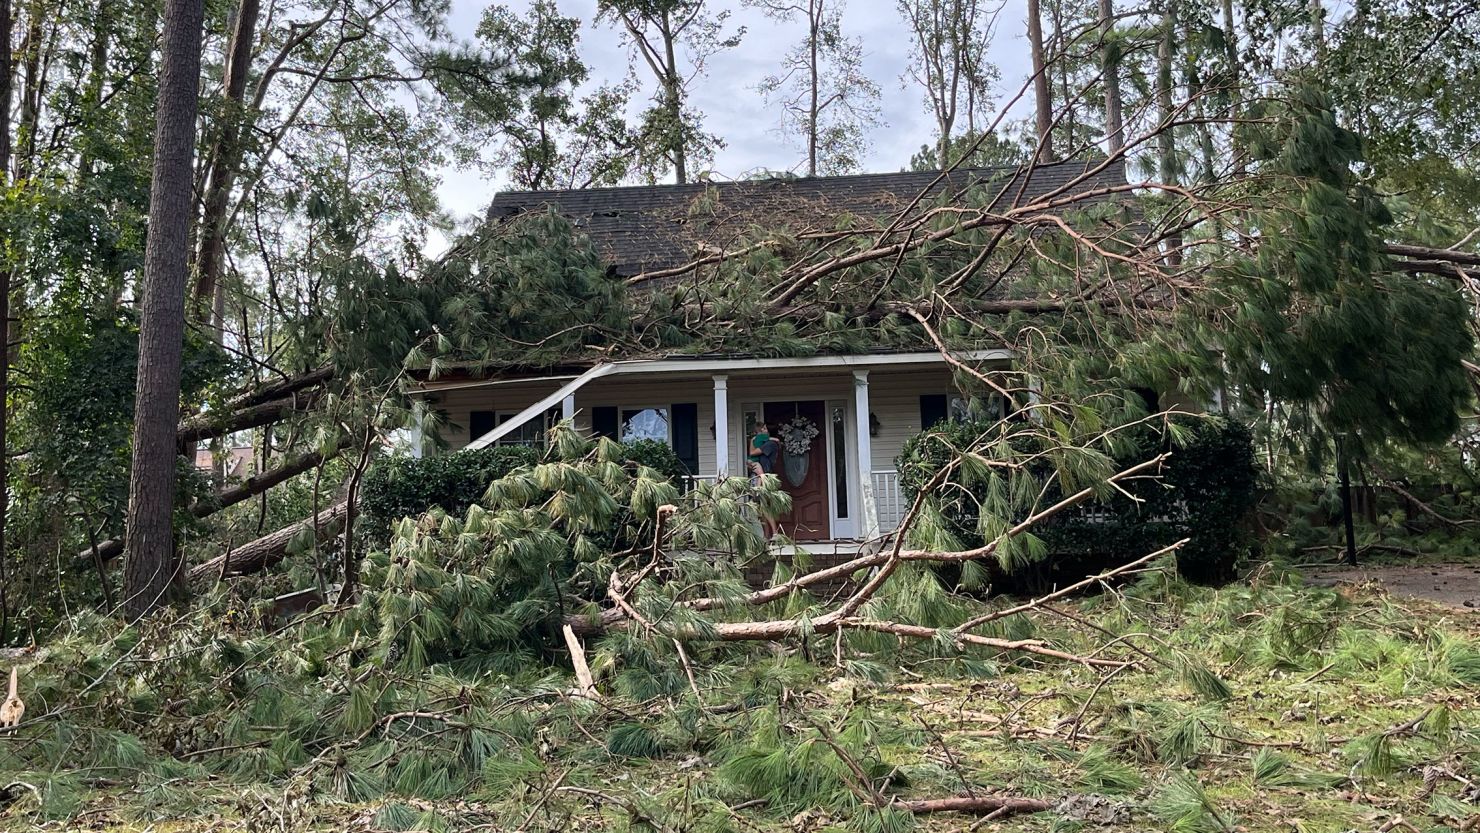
258, 555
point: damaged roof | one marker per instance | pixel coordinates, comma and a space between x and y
646, 227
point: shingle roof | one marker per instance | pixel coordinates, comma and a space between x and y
641, 228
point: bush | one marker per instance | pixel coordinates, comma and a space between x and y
400, 487
1205, 492
657, 456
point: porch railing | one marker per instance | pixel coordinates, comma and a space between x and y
889, 503
690, 481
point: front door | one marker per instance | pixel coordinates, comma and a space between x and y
803, 476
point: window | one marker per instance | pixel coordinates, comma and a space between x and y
963, 409
531, 433
645, 424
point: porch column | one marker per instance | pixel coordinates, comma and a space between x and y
721, 425
419, 429
870, 512
568, 408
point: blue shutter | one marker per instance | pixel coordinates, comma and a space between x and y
685, 417
604, 421
932, 410
480, 423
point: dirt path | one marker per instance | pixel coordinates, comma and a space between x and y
1454, 585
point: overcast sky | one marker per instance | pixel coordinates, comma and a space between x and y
727, 96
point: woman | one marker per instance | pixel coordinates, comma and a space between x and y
762, 461
764, 449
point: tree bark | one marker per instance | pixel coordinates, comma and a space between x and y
1165, 140
814, 25
673, 99
151, 570
1110, 66
1343, 465
249, 488
224, 160
5, 67
1043, 106
209, 426
269, 549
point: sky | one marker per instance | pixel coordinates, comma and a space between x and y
728, 98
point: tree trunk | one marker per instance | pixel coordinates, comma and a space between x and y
814, 20
1165, 139
5, 66
1110, 66
251, 487
1230, 41
1343, 465
673, 100
152, 566
272, 548
1043, 106
995, 804
224, 159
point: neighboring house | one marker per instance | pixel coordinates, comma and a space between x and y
863, 406
238, 461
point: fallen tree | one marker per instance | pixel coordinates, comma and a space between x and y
249, 488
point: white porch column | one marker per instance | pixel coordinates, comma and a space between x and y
870, 512
721, 425
419, 429
568, 408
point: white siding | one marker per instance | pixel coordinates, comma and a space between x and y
456, 405
894, 398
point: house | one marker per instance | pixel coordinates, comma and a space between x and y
237, 461
850, 414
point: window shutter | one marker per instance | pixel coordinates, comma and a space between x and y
932, 410
686, 434
604, 421
480, 423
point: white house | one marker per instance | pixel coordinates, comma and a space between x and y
863, 406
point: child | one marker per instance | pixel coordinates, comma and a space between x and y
764, 449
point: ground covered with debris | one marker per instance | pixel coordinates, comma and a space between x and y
1265, 705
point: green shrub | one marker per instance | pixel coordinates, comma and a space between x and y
657, 456
1204, 492
401, 487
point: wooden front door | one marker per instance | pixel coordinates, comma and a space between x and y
808, 519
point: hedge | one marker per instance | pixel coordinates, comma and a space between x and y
399, 487
1206, 492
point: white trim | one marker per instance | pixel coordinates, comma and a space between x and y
721, 425
869, 526
714, 365
540, 407
667, 419
433, 387
568, 408
839, 527
864, 360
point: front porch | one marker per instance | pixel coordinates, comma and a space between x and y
843, 483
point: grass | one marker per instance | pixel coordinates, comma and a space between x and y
1270, 708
